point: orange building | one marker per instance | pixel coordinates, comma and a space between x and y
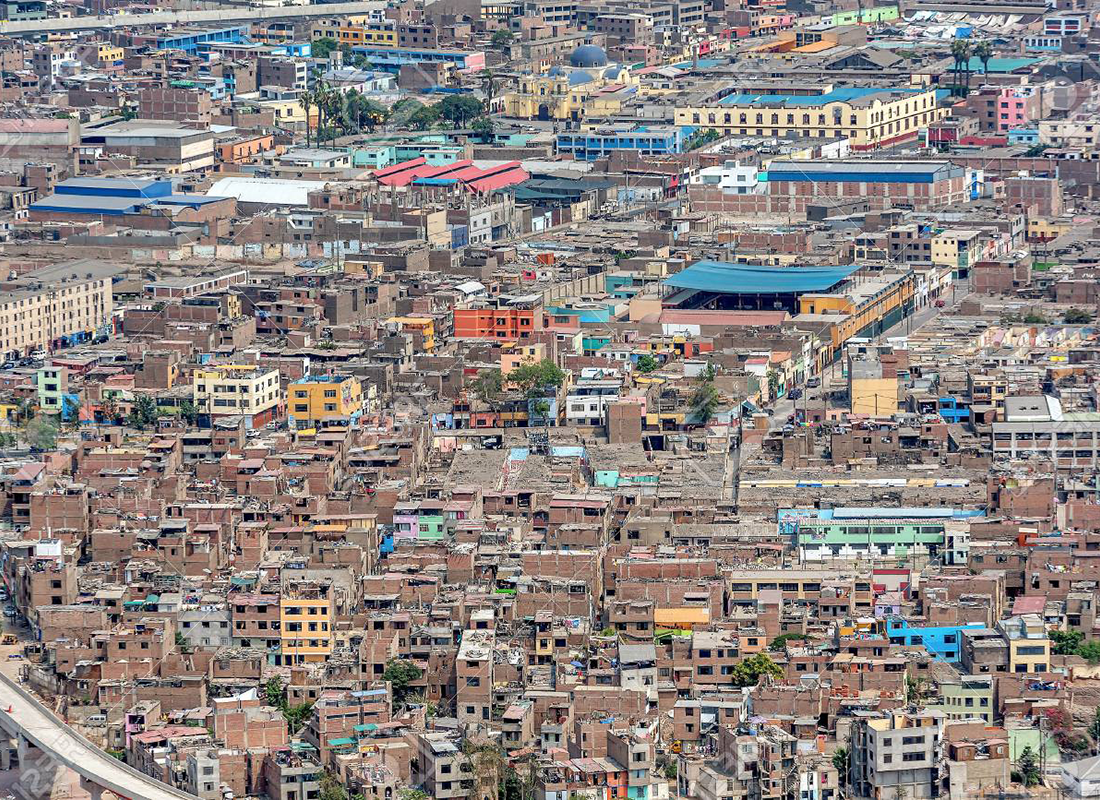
240, 150
508, 319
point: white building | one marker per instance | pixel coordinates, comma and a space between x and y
1082, 778
730, 177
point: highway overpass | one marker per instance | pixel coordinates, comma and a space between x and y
220, 16
27, 721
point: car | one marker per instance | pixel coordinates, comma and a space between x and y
941, 303
794, 394
9, 611
813, 383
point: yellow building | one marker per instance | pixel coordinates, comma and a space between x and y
1043, 229
288, 112
318, 401
870, 393
306, 619
1028, 644
102, 54
46, 304
867, 117
231, 389
861, 304
513, 355
375, 35
956, 248
424, 326
568, 93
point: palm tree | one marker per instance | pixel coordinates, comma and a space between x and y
983, 50
960, 51
308, 100
333, 103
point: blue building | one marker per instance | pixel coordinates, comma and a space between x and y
952, 409
943, 643
599, 142
390, 59
189, 39
115, 196
1028, 136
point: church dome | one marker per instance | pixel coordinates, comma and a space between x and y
588, 55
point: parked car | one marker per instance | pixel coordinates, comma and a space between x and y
941, 303
813, 383
794, 394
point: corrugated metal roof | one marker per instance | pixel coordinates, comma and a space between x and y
729, 278
270, 191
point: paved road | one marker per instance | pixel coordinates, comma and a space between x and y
833, 378
21, 712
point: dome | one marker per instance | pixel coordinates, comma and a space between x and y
588, 55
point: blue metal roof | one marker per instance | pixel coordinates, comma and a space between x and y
727, 278
843, 94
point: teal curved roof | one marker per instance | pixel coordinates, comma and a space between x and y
727, 278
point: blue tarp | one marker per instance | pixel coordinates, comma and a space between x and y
722, 276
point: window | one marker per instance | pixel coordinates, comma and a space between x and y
912, 757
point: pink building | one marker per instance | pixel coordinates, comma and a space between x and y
1015, 107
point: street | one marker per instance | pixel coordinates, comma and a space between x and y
833, 377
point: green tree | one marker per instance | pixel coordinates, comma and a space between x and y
773, 384
487, 386
1077, 316
296, 716
144, 412
400, 675
188, 412
489, 89
779, 643
322, 48
536, 378
483, 127
502, 38
424, 118
1034, 318
960, 52
1066, 642
362, 112
402, 110
841, 760
458, 109
1027, 768
1090, 651
331, 788
983, 51
540, 410
1093, 730
749, 671
647, 363
412, 794
108, 407
706, 398
41, 434
273, 690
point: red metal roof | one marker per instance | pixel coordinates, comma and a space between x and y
465, 172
